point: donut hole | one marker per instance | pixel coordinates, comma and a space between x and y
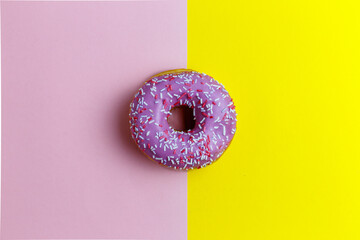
181, 118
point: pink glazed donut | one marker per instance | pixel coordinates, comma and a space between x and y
213, 111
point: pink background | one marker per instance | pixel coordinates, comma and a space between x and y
69, 167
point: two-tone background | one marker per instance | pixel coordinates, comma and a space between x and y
71, 171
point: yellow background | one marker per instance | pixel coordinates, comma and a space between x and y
293, 168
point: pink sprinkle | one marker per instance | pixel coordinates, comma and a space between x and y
224, 116
156, 96
202, 83
174, 151
204, 103
182, 95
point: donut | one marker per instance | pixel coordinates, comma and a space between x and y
213, 113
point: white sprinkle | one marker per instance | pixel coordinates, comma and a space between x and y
224, 129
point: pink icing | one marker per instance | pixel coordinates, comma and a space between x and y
213, 110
